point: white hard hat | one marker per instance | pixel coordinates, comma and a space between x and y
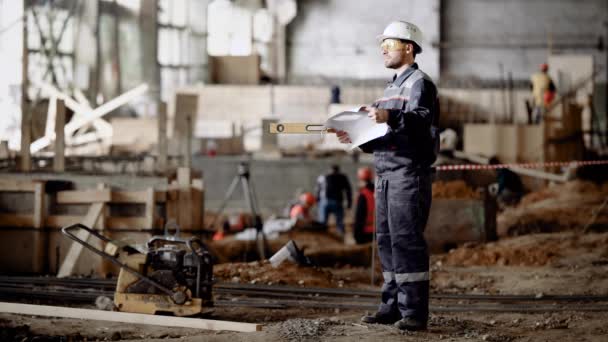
402, 30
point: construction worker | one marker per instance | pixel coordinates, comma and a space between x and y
331, 190
301, 210
403, 158
543, 91
364, 225
508, 188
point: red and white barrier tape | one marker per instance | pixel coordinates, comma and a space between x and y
576, 163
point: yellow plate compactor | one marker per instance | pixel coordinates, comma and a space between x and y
170, 275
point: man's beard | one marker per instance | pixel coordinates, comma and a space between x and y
392, 64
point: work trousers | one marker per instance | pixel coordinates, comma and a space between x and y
329, 206
403, 201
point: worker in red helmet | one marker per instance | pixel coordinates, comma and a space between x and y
543, 93
301, 210
364, 224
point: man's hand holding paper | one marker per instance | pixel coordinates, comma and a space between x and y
358, 126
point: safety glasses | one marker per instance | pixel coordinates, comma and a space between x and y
392, 45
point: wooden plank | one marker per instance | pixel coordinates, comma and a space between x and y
38, 243
235, 69
105, 211
82, 120
124, 317
105, 265
17, 185
26, 133
17, 220
185, 205
150, 203
75, 249
186, 106
26, 137
137, 196
198, 208
59, 158
162, 137
39, 205
172, 202
84, 196
127, 223
60, 221
112, 223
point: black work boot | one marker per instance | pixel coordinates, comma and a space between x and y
410, 324
380, 318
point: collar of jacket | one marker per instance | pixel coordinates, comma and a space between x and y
398, 80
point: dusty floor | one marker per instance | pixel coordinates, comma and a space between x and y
561, 263
567, 261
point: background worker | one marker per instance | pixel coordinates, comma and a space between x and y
508, 188
364, 226
403, 158
301, 210
332, 189
543, 92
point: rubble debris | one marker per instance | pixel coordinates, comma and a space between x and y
307, 329
322, 249
563, 207
262, 272
454, 190
530, 250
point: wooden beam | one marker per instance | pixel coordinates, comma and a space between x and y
124, 222
105, 211
137, 196
105, 265
38, 243
91, 116
26, 132
51, 114
39, 205
84, 196
26, 138
150, 204
106, 108
185, 205
162, 137
59, 158
17, 220
67, 267
124, 317
186, 107
59, 221
17, 185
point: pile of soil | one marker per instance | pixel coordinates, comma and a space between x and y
323, 248
530, 250
570, 206
454, 190
262, 272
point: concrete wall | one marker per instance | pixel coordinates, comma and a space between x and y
333, 39
481, 34
275, 181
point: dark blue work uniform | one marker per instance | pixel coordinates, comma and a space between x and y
403, 159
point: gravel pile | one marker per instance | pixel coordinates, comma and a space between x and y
301, 330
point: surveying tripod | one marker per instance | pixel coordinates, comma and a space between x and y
243, 177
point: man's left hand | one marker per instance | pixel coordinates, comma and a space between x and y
377, 114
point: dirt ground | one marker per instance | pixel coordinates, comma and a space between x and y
576, 205
559, 263
564, 261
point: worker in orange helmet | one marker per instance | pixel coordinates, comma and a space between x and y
301, 210
364, 225
543, 92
